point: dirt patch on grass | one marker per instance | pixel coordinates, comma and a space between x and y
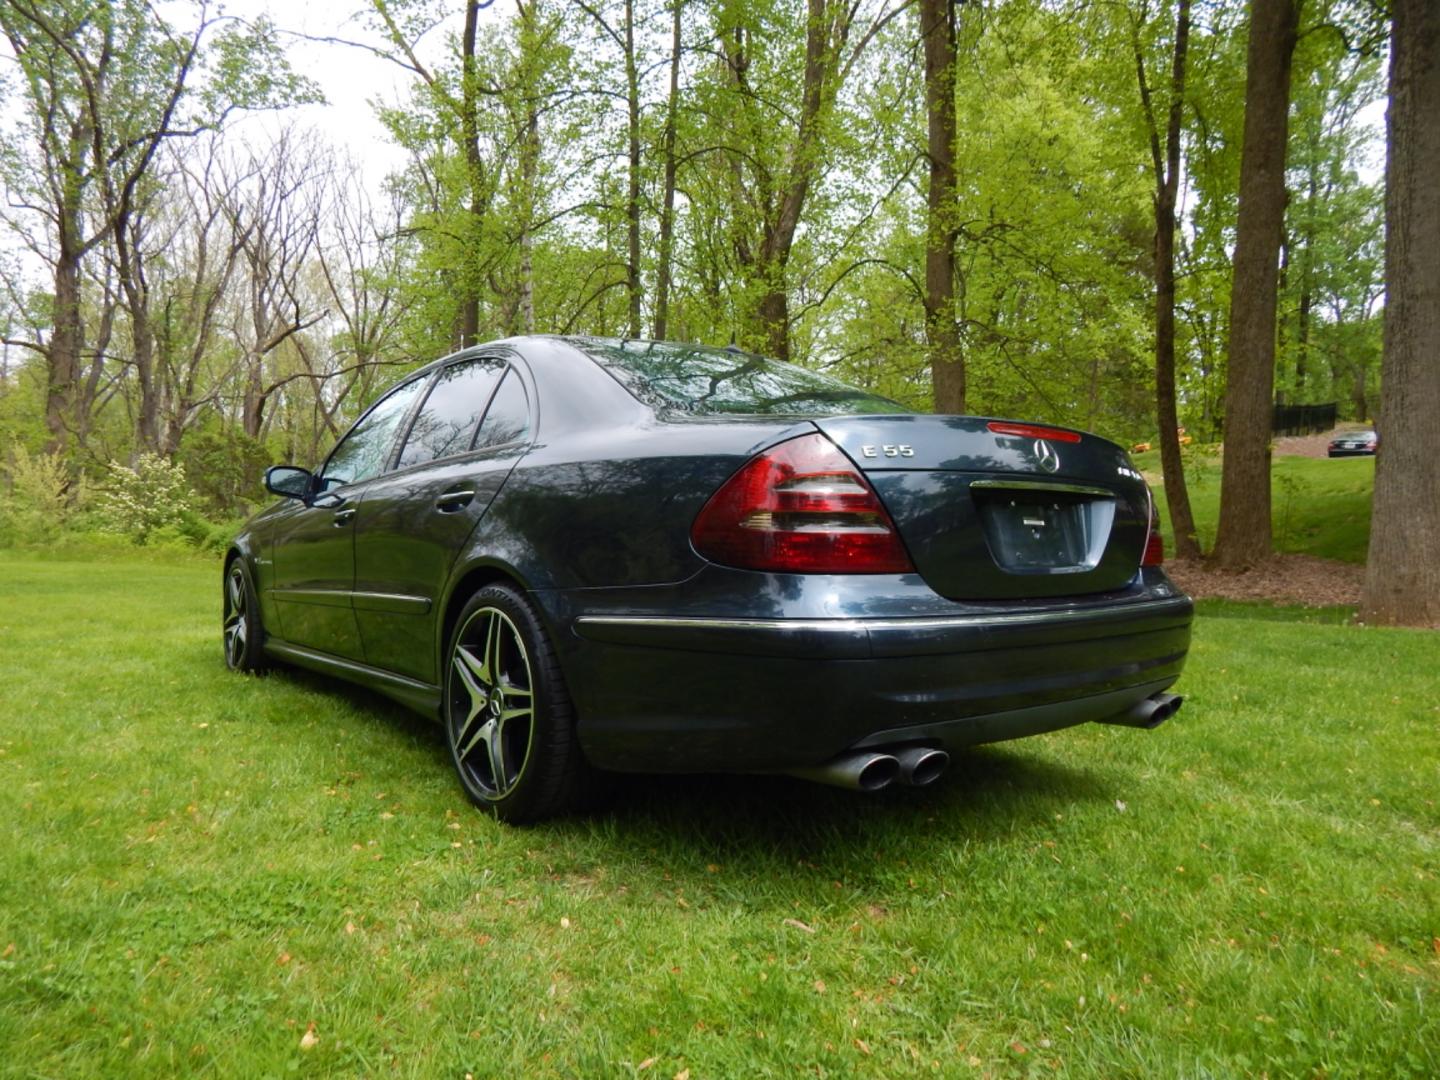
1280, 579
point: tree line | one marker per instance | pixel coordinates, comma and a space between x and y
1132, 215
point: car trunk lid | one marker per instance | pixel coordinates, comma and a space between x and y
997, 509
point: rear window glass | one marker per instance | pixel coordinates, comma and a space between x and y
448, 418
508, 417
701, 380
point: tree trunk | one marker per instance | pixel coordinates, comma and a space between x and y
252, 406
1359, 397
667, 206
469, 320
1167, 189
1402, 575
147, 419
1244, 536
1307, 289
775, 319
529, 162
826, 28
942, 331
63, 375
129, 267
632, 196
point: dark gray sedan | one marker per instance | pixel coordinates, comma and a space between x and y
1354, 444
588, 555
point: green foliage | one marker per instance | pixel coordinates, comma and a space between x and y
1321, 506
42, 504
224, 468
248, 68
1330, 319
200, 866
516, 199
38, 499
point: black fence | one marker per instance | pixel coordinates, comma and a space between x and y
1303, 419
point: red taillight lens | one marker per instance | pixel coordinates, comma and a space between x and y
801, 507
1033, 431
1154, 542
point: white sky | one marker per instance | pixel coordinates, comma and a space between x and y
352, 79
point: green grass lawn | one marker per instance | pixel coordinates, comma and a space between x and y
1319, 506
196, 867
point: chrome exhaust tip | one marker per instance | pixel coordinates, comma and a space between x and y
859, 771
1149, 713
921, 765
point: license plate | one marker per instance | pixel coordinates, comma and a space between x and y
1046, 534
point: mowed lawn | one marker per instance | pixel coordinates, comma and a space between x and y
198, 869
1319, 506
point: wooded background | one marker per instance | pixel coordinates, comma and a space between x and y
1129, 216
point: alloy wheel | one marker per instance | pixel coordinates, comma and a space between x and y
491, 703
237, 617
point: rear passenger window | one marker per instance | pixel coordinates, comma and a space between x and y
508, 418
447, 419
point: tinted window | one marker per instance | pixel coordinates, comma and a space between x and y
447, 420
704, 380
364, 452
508, 417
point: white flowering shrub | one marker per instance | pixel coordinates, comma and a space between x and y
152, 496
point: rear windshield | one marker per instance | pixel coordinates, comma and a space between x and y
701, 380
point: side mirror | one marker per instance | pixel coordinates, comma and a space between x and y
290, 481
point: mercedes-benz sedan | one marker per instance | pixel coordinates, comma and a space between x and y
587, 555
1353, 444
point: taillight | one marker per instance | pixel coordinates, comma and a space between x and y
1154, 542
800, 507
1033, 431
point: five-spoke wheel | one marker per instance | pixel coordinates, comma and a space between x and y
241, 623
507, 714
492, 740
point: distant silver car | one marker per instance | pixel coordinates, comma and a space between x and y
1354, 444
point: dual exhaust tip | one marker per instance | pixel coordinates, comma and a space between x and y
1149, 713
872, 770
917, 766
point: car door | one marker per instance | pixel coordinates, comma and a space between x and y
414, 522
314, 539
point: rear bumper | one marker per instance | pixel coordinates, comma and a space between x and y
657, 693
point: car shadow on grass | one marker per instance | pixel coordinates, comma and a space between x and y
777, 822
374, 707
769, 820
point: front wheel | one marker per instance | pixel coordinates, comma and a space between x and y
508, 717
244, 637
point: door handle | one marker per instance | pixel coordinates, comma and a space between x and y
342, 517
454, 500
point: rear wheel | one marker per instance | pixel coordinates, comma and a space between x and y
508, 717
244, 637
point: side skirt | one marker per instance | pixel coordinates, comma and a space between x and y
413, 694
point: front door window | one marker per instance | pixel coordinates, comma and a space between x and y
366, 450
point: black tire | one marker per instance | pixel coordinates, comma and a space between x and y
243, 633
508, 717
